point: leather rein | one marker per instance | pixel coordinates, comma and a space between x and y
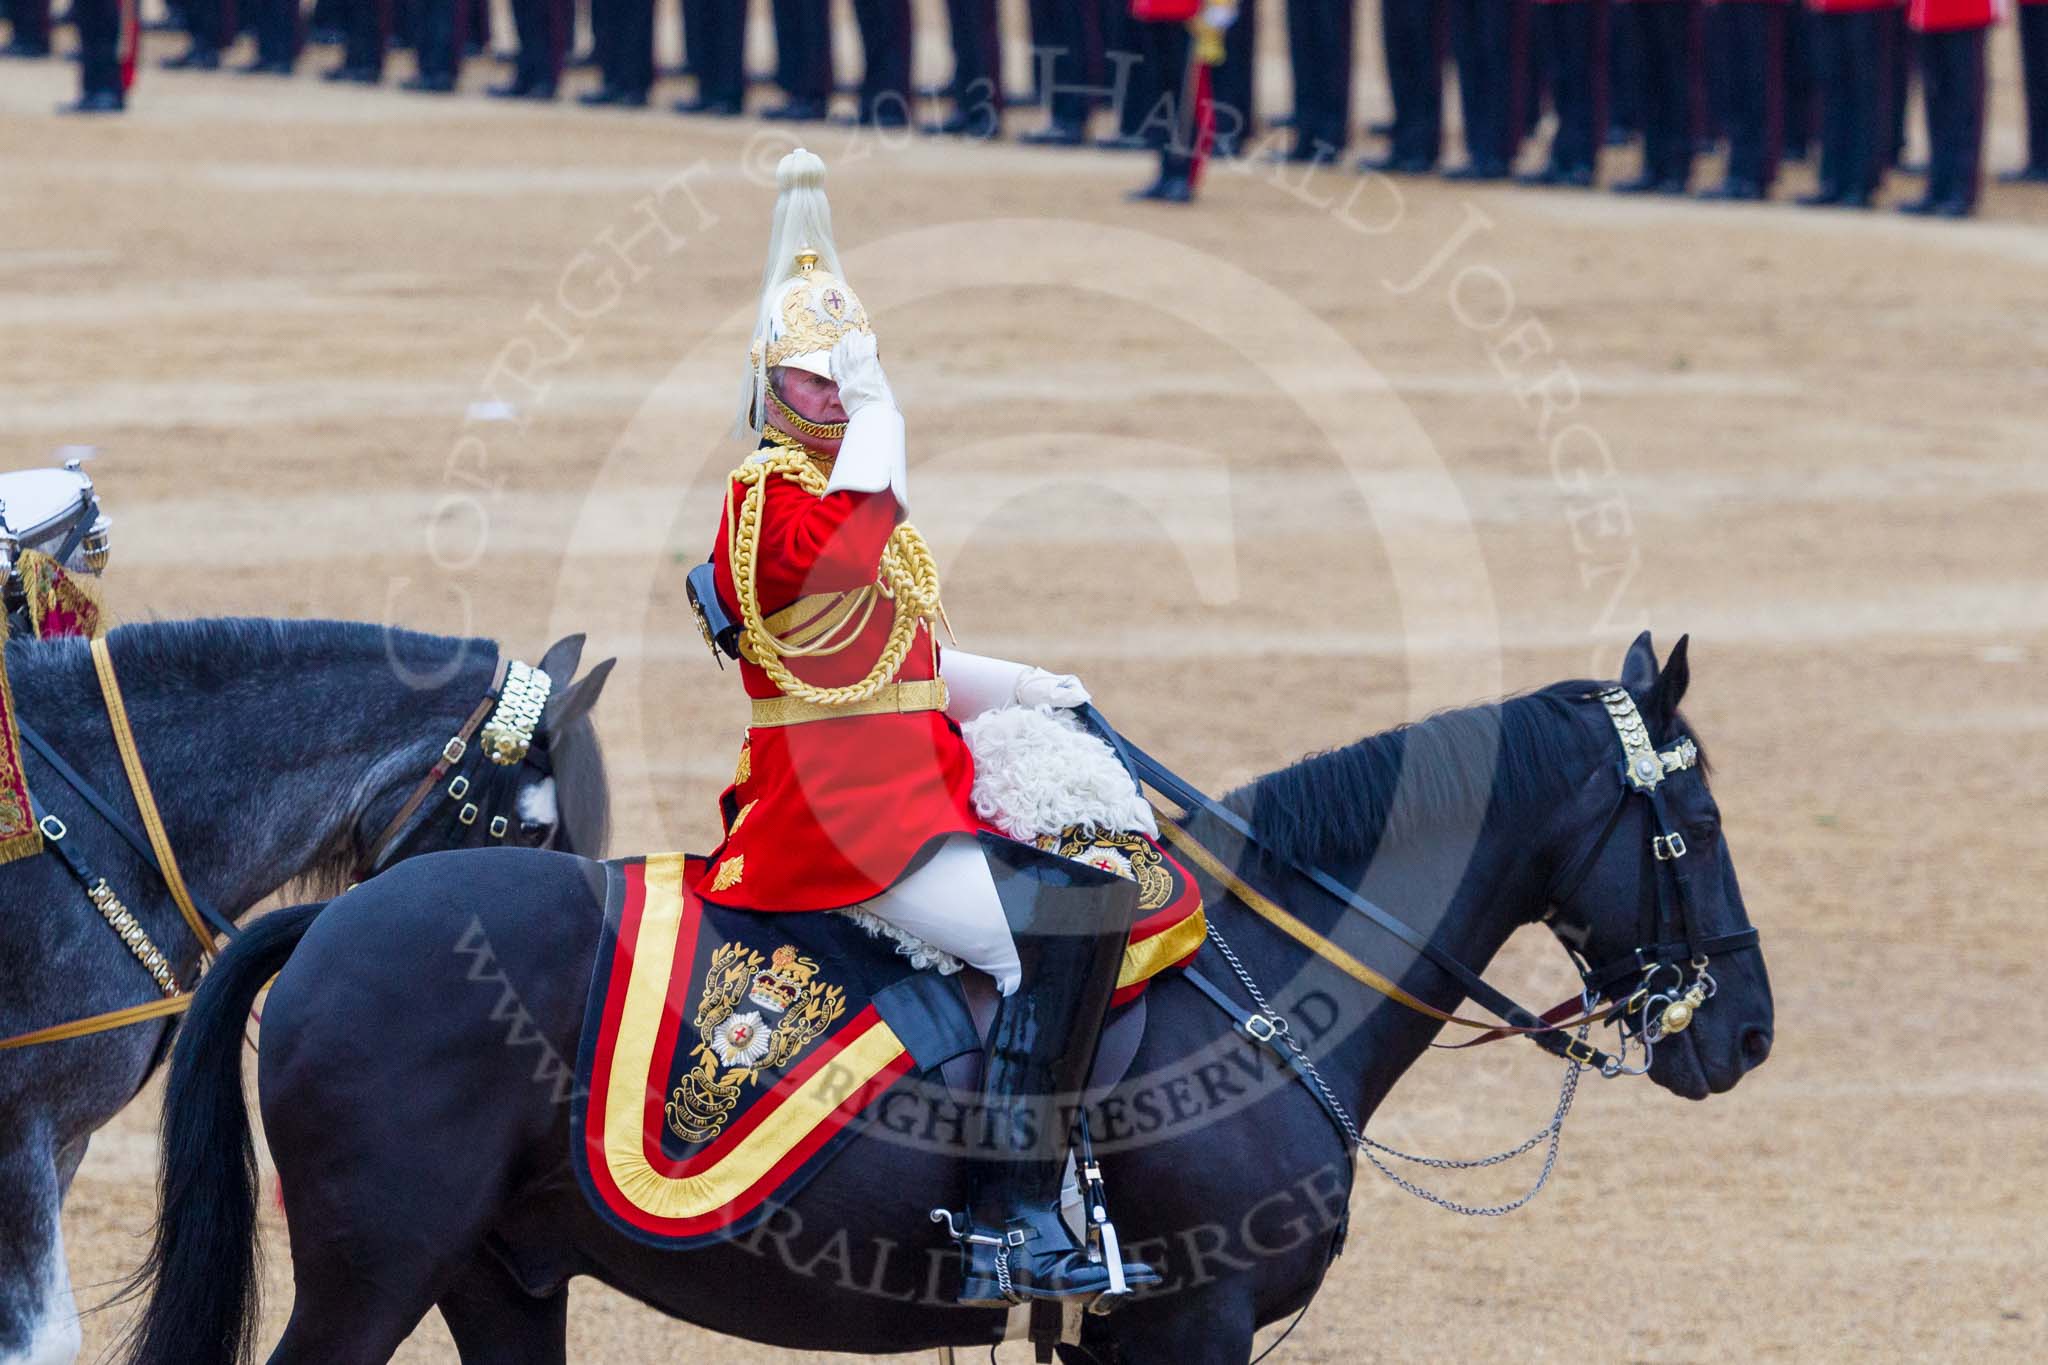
1653, 1009
511, 738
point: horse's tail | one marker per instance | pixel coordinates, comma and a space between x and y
201, 1272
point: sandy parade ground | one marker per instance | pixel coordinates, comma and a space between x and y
1317, 455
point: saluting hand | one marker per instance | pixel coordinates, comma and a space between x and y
857, 369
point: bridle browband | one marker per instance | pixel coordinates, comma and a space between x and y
513, 706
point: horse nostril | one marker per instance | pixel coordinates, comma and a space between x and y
1756, 1045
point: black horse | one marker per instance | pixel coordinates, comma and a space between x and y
414, 1043
278, 751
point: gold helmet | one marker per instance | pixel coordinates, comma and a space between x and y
806, 304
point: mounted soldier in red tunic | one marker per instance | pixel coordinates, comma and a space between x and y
853, 785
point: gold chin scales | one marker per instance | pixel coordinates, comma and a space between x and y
802, 425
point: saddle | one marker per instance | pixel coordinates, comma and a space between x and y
727, 1056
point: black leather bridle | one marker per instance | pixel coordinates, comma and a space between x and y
1669, 939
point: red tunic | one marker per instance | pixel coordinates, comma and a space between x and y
830, 813
1942, 16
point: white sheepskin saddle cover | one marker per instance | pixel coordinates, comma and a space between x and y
1038, 772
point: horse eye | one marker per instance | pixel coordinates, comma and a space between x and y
533, 831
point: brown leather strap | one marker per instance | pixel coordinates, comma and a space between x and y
451, 754
100, 1023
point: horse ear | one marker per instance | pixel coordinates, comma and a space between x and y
566, 708
559, 663
1672, 681
1639, 669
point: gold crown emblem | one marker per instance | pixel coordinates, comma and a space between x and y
783, 981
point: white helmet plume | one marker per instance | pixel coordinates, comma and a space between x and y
802, 222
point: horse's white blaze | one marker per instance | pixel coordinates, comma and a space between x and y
537, 803
56, 1339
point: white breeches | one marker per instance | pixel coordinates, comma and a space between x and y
951, 903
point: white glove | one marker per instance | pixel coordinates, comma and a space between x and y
1039, 688
1219, 17
871, 455
857, 369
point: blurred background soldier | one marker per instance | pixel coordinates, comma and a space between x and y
29, 29
2033, 22
1067, 61
1319, 35
108, 33
1799, 96
280, 37
1950, 36
1412, 36
1188, 36
1664, 76
543, 27
438, 49
1489, 39
717, 31
211, 27
625, 53
1571, 39
1750, 62
976, 89
369, 38
1850, 47
1236, 84
886, 34
1137, 78
803, 60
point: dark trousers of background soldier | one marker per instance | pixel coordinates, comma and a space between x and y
1624, 106
1750, 57
803, 60
1850, 52
1413, 37
1665, 91
1068, 63
623, 39
976, 89
1169, 49
1902, 62
107, 35
29, 22
1800, 98
2033, 26
1571, 37
1139, 83
1490, 41
367, 28
211, 26
887, 31
1234, 83
544, 28
1319, 43
280, 36
443, 36
1952, 84
715, 32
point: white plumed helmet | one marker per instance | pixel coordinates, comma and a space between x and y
806, 305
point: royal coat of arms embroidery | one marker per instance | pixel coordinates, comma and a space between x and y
792, 1010
1129, 856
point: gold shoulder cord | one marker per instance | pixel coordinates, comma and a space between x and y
909, 578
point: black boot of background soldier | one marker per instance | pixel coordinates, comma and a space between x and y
1070, 923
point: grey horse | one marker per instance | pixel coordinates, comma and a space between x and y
278, 752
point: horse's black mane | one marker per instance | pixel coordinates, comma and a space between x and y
1445, 771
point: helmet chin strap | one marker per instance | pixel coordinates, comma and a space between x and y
800, 425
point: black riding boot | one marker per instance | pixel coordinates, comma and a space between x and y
1070, 923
